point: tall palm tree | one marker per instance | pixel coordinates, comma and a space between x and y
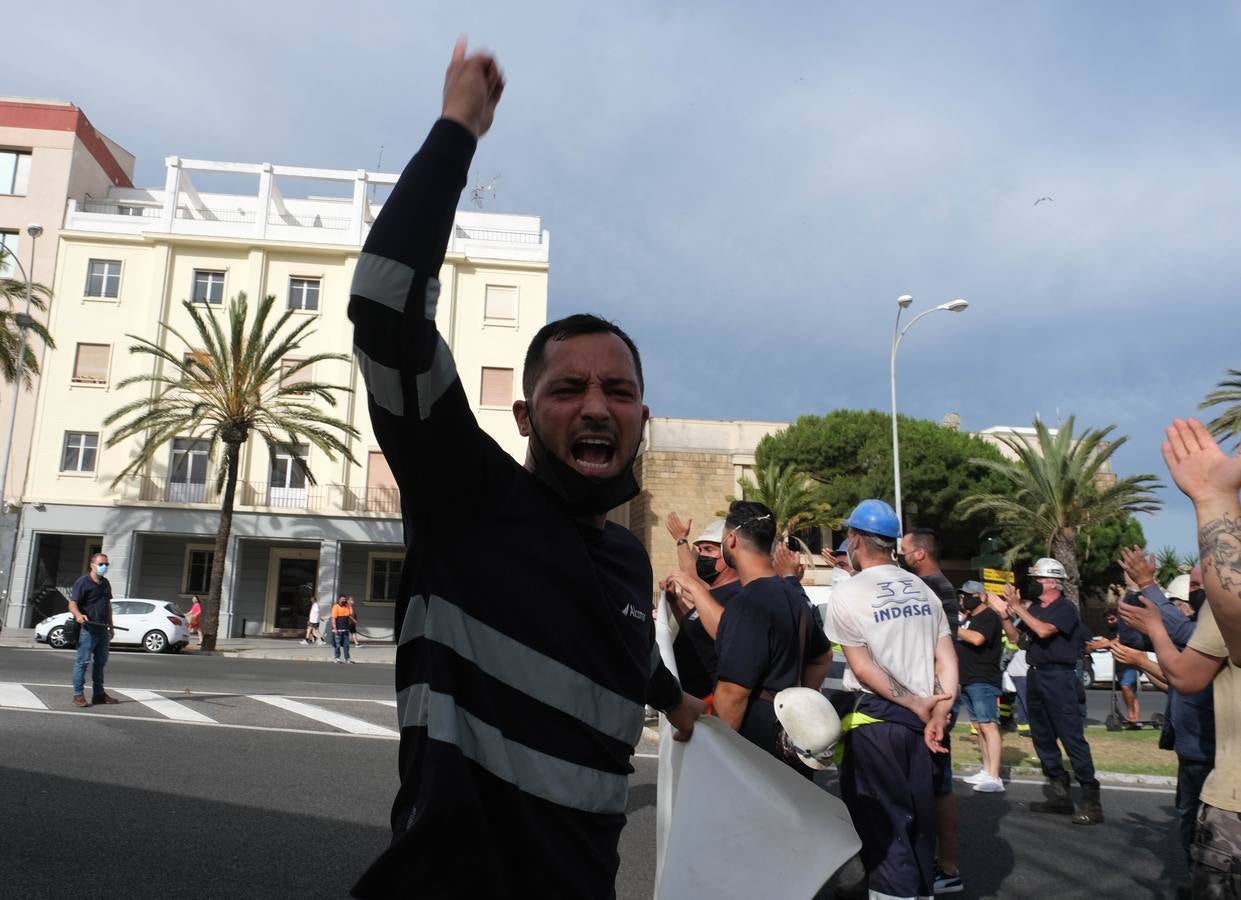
794, 498
1056, 491
1228, 423
13, 295
224, 387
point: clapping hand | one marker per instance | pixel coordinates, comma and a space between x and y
1139, 567
677, 528
1144, 618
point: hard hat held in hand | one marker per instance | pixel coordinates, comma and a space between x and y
1047, 568
811, 726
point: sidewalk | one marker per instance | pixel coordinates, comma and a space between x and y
246, 648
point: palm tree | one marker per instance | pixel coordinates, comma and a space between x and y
13, 293
1228, 423
794, 498
1057, 490
1168, 564
226, 387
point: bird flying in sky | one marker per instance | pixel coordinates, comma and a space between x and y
1041, 199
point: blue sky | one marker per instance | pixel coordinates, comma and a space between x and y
747, 190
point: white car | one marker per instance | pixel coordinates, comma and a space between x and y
156, 626
1102, 664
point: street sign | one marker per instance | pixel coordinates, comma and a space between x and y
995, 579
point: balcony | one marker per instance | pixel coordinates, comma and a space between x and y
327, 499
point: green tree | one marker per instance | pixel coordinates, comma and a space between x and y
1098, 553
794, 498
1056, 490
224, 388
1228, 423
13, 292
850, 453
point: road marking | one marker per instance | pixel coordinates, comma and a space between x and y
168, 708
1135, 788
114, 717
391, 703
18, 697
327, 717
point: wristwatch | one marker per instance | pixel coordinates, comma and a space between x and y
681, 541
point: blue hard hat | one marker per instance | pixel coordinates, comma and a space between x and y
875, 517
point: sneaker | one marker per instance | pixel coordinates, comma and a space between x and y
978, 777
947, 884
336, 660
305, 643
990, 786
79, 700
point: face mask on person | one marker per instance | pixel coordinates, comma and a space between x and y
102, 568
1196, 599
849, 556
1033, 590
580, 494
706, 568
971, 602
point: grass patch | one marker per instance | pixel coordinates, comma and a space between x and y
1130, 752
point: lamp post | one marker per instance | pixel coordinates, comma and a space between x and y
23, 323
902, 304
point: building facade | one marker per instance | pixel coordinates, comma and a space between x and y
126, 263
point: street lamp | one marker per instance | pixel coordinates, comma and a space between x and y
24, 321
902, 304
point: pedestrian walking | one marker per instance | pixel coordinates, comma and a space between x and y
90, 604
341, 612
520, 704
195, 618
312, 624
901, 683
1055, 648
353, 622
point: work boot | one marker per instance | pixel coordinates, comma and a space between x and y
1091, 812
1059, 800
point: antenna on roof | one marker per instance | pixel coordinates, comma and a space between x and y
480, 191
378, 168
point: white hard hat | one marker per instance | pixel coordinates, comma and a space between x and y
714, 533
1178, 588
810, 724
1047, 568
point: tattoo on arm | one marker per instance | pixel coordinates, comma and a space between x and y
1219, 543
898, 689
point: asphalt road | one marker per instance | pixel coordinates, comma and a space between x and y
122, 801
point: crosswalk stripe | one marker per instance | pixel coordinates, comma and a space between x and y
391, 703
327, 717
169, 709
19, 697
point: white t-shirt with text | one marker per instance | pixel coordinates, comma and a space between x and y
897, 616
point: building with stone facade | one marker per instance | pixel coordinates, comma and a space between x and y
127, 260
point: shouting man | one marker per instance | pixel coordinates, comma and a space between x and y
519, 708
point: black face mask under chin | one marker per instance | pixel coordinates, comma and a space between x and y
579, 494
706, 569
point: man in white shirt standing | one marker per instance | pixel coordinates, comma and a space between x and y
902, 677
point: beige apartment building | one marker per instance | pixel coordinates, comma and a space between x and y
127, 260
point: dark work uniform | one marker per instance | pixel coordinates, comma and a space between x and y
519, 705
1051, 691
94, 601
758, 649
941, 763
695, 649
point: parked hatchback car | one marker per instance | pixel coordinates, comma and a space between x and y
157, 626
1098, 673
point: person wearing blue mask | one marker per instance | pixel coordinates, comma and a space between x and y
90, 603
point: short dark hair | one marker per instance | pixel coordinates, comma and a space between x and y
571, 327
925, 539
753, 523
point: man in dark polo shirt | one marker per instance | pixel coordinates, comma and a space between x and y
1051, 688
90, 603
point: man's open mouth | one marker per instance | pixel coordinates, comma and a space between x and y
593, 453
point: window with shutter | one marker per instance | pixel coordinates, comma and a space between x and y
90, 366
500, 304
497, 388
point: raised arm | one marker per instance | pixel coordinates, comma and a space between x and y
1212, 480
418, 408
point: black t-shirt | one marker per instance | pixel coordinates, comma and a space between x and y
981, 664
947, 594
94, 600
757, 647
1065, 646
695, 649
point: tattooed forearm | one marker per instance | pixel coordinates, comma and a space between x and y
898, 689
1219, 543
